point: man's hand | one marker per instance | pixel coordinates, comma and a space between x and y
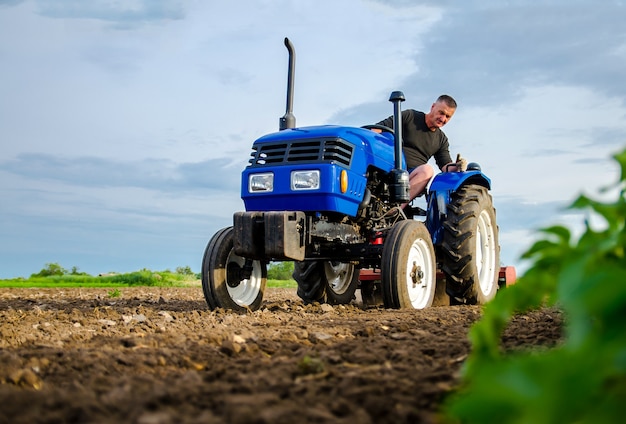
461, 163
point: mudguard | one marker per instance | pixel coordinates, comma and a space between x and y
451, 181
438, 197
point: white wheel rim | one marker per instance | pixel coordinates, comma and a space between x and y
485, 253
421, 288
246, 292
338, 275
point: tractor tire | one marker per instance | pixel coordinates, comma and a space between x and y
330, 282
408, 267
470, 253
223, 284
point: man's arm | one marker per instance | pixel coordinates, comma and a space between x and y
386, 122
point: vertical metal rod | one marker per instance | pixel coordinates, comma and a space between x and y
397, 97
289, 120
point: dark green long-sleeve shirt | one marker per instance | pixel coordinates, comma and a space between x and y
420, 143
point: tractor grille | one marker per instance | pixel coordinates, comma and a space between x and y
334, 150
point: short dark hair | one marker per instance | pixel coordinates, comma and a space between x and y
447, 100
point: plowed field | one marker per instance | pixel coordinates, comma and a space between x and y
159, 355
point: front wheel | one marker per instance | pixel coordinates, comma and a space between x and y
230, 281
470, 250
408, 270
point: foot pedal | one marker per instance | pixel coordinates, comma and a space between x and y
412, 211
418, 211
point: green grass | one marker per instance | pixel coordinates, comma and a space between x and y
135, 279
139, 278
282, 284
27, 284
53, 275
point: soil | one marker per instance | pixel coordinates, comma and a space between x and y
159, 355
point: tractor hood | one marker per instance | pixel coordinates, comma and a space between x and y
334, 152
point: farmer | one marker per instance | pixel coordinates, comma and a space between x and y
423, 139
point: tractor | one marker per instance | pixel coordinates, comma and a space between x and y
329, 199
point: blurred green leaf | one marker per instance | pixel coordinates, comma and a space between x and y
584, 379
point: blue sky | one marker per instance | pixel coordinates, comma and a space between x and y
125, 125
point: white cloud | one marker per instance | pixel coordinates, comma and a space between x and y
544, 146
129, 122
117, 11
128, 93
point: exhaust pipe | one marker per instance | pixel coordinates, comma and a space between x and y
400, 178
289, 120
396, 98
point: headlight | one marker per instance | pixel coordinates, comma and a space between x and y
261, 182
305, 180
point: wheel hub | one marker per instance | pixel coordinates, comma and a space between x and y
234, 275
416, 274
237, 274
338, 275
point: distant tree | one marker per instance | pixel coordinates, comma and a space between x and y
184, 270
51, 269
75, 271
280, 271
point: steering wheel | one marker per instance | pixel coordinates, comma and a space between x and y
383, 128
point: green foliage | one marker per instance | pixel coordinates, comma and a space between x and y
54, 269
54, 275
75, 271
282, 284
584, 379
310, 365
139, 278
184, 270
51, 269
114, 293
280, 271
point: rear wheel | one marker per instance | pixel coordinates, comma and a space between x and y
326, 281
470, 249
230, 281
408, 270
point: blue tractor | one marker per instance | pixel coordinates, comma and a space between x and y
328, 198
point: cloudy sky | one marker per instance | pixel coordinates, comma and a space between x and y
125, 124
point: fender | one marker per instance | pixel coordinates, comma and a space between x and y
438, 197
452, 181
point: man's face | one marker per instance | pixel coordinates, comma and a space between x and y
439, 115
